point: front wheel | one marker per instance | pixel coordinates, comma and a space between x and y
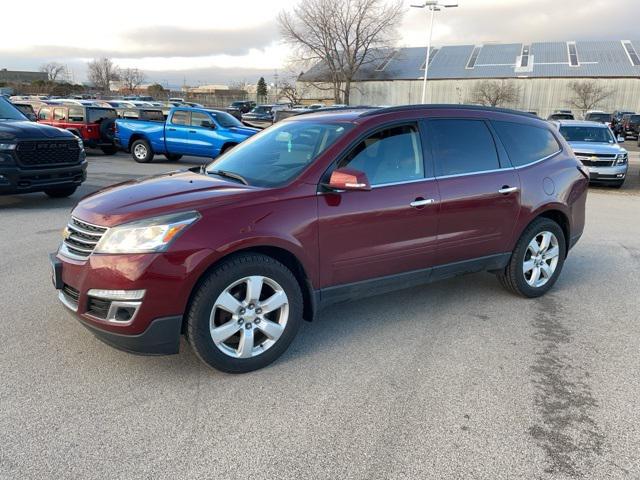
537, 260
61, 192
141, 151
245, 313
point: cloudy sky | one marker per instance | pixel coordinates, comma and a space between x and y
219, 41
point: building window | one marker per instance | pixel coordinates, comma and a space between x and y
524, 56
573, 54
474, 56
631, 52
386, 61
431, 55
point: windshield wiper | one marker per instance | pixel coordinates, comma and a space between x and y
231, 175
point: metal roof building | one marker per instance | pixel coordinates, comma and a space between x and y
548, 65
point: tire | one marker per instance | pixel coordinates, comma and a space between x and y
232, 277
61, 192
109, 150
141, 151
515, 279
107, 129
172, 157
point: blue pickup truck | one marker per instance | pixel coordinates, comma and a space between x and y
187, 131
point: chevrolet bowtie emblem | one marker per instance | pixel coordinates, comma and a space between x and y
66, 233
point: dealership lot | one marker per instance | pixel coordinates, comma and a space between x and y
457, 379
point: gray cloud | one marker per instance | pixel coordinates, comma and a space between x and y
164, 41
535, 20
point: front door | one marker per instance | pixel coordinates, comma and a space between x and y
388, 230
480, 191
204, 139
177, 132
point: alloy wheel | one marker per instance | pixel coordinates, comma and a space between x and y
541, 259
140, 151
249, 316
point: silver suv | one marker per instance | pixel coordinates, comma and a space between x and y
598, 149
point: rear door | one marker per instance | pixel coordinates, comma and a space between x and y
479, 189
390, 229
177, 132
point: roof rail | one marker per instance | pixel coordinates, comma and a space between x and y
435, 106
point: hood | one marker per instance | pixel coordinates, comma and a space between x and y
158, 195
26, 130
592, 147
248, 131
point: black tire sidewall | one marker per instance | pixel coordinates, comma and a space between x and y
538, 226
61, 192
216, 281
149, 156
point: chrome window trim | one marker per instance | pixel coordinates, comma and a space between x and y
405, 182
538, 161
456, 175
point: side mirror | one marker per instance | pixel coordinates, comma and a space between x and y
620, 139
207, 124
348, 179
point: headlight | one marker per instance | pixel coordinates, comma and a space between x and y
8, 146
145, 236
80, 143
622, 158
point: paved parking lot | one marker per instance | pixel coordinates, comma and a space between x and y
453, 380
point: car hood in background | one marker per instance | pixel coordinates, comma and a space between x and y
244, 130
27, 130
592, 147
158, 195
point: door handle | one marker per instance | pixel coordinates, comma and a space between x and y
192, 131
171, 129
507, 189
422, 202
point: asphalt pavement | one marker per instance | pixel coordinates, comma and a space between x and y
454, 380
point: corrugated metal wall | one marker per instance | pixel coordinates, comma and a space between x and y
542, 95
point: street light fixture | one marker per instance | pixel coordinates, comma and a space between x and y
434, 6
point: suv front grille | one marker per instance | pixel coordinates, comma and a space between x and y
81, 238
35, 153
596, 159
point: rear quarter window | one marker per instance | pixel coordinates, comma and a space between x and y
526, 143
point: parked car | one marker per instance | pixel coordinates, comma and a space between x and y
260, 116
151, 114
320, 208
560, 116
187, 131
616, 121
94, 125
26, 109
38, 158
244, 106
598, 149
631, 126
600, 117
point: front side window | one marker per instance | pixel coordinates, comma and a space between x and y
181, 117
278, 154
200, 120
393, 155
587, 134
461, 146
526, 143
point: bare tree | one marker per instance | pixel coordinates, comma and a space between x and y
341, 36
54, 71
131, 79
292, 91
102, 71
588, 94
494, 93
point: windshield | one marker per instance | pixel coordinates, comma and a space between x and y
226, 120
587, 134
278, 154
261, 109
9, 112
599, 117
95, 115
561, 116
634, 118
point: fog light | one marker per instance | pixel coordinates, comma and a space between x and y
116, 294
124, 314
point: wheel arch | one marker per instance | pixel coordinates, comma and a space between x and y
284, 256
138, 136
558, 215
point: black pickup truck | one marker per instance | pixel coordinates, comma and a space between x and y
38, 158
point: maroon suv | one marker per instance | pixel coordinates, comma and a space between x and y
317, 209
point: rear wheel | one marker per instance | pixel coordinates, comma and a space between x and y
141, 151
244, 314
109, 150
61, 192
173, 157
537, 260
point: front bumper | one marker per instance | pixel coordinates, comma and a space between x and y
14, 179
156, 321
608, 174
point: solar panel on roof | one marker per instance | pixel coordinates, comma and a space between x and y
474, 56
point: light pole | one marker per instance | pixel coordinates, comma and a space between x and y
434, 6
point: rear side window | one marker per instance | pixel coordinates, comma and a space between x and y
76, 114
392, 155
461, 146
181, 117
525, 143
